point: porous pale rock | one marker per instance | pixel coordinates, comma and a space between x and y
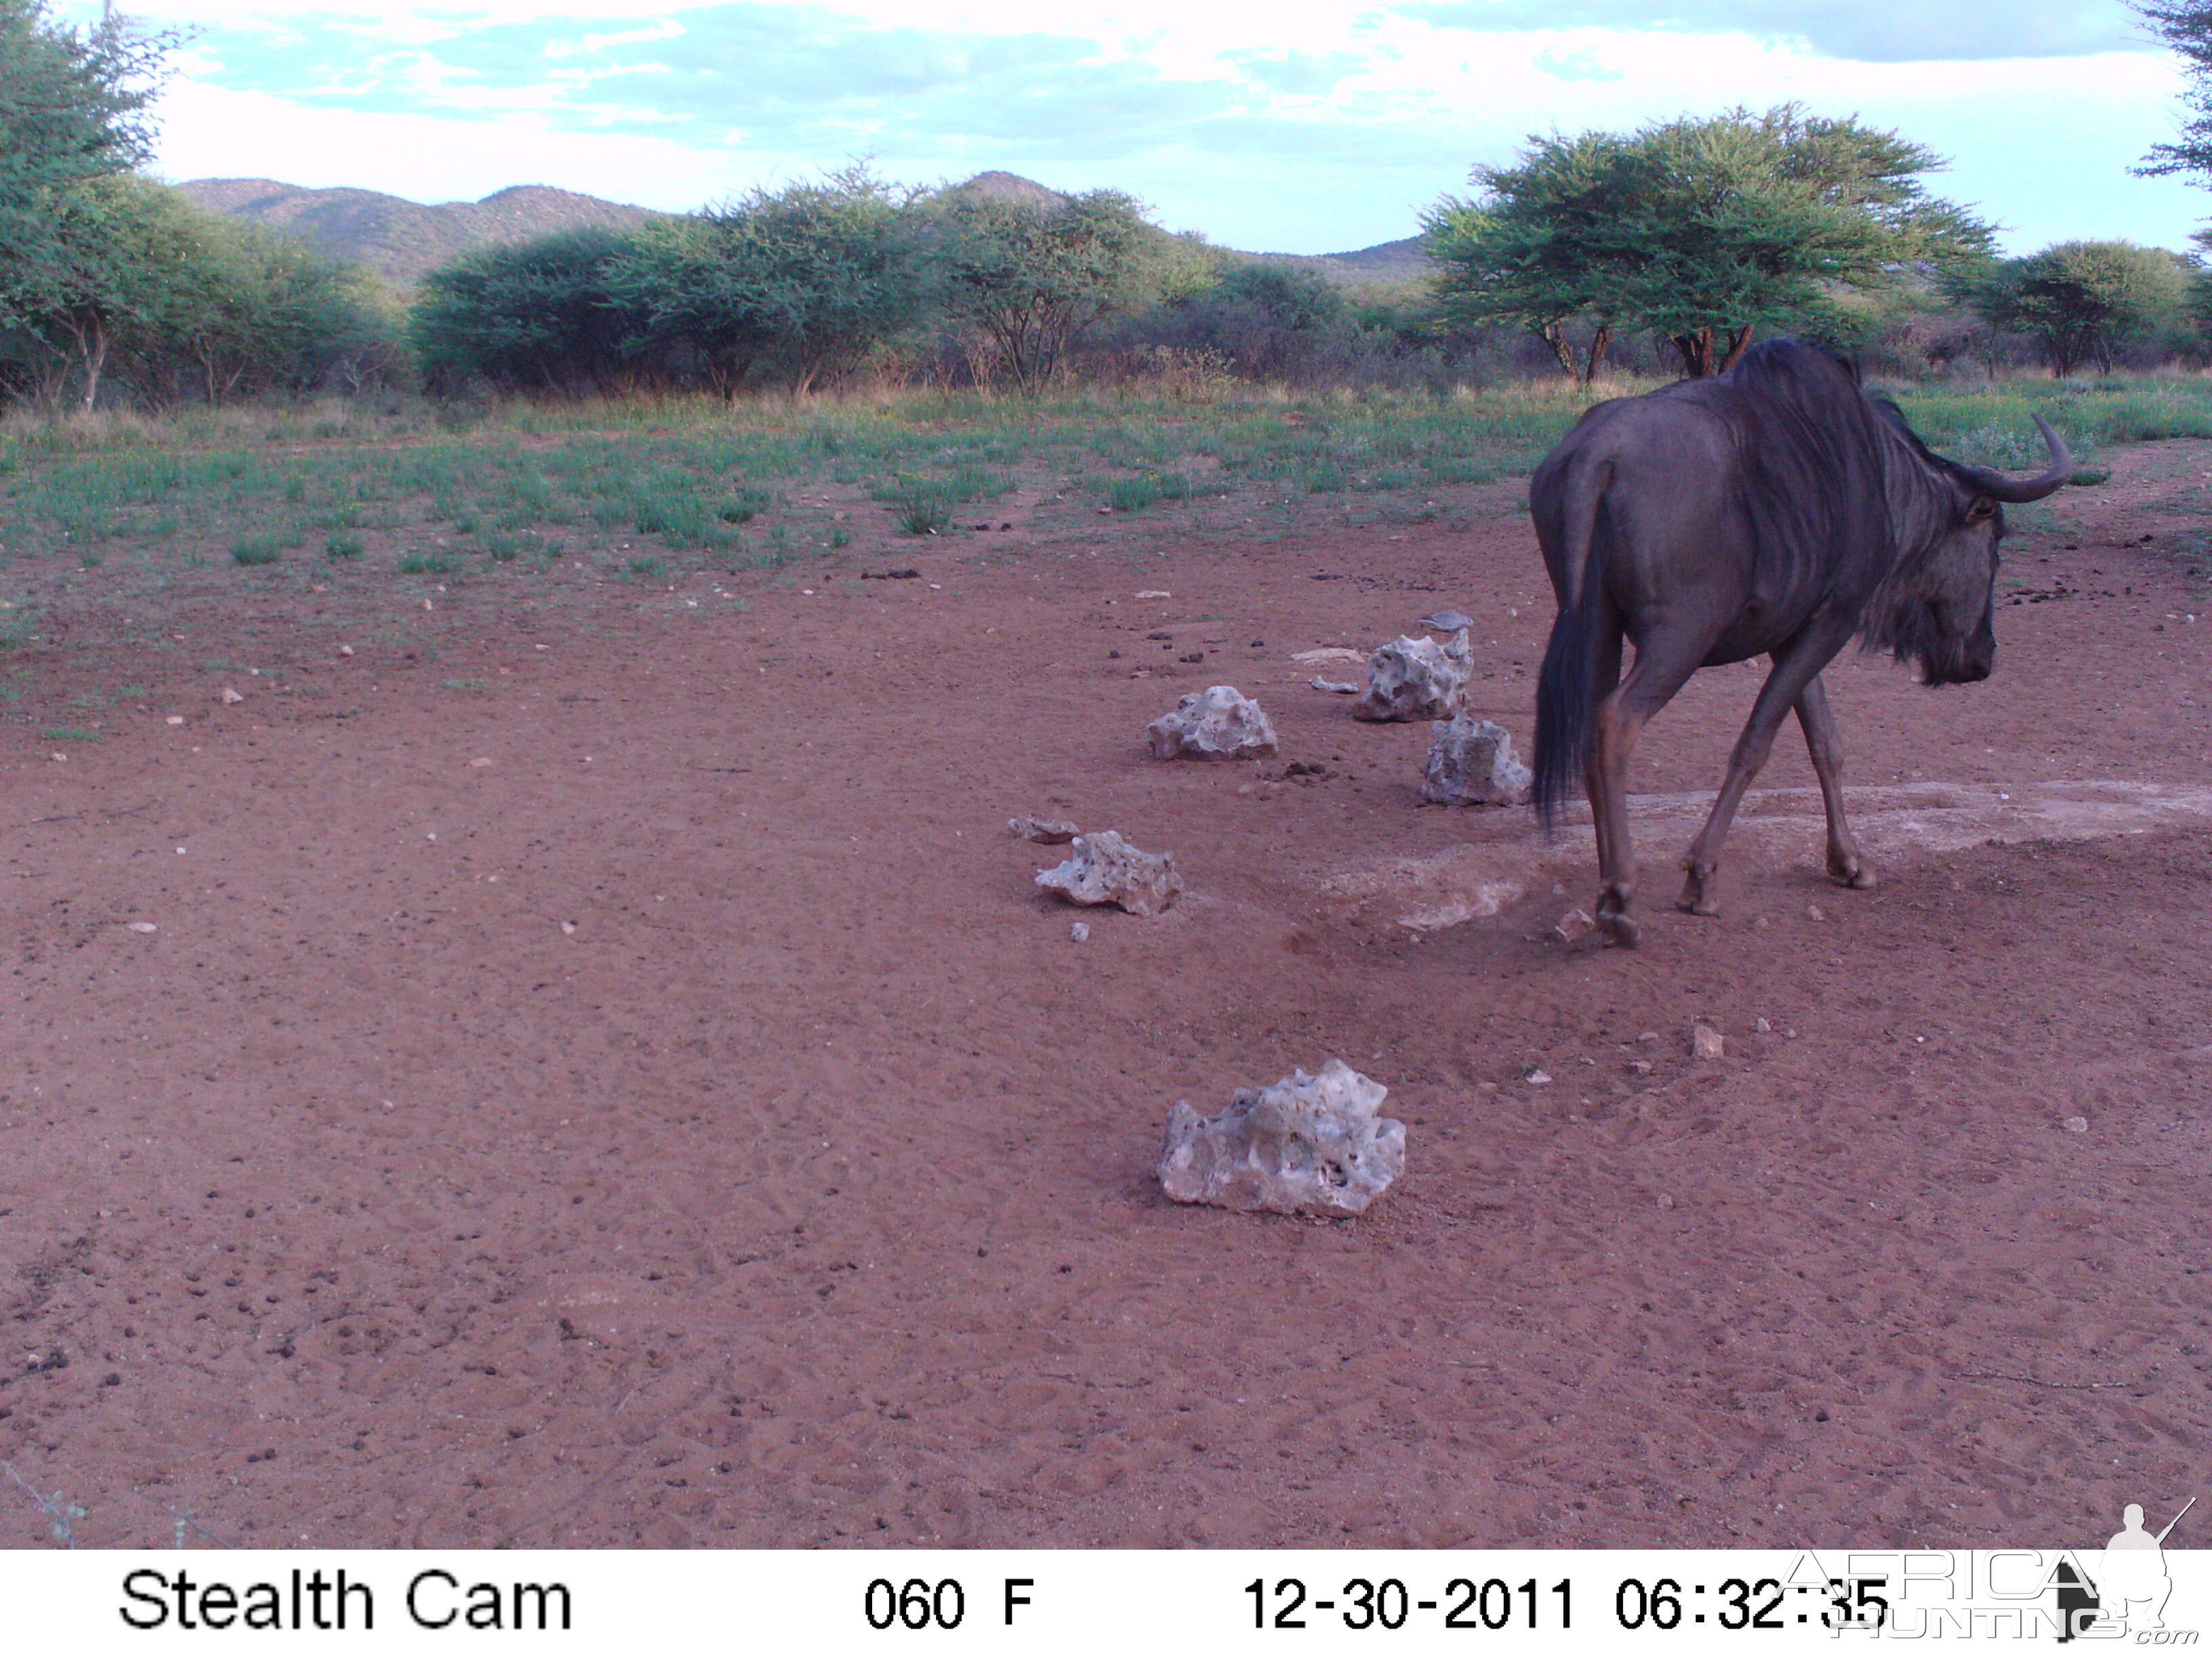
1220, 723
1303, 1146
1472, 763
1411, 679
1107, 870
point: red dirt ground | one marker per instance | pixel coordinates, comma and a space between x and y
601, 1075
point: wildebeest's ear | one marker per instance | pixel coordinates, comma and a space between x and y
1981, 511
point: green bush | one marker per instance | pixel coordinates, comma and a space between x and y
1132, 495
259, 547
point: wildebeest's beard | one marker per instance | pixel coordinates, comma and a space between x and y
1921, 616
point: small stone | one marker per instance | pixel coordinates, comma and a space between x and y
1329, 653
1706, 1044
176, 720
1411, 679
1666, 1202
1761, 1025
1445, 622
1472, 763
1053, 832
1107, 870
1341, 687
1306, 1145
1647, 1036
1154, 593
142, 927
1079, 932
1220, 723
480, 760
345, 651
1762, 924
1816, 912
1538, 1080
230, 694
1572, 925
2079, 1125
567, 927
1640, 1067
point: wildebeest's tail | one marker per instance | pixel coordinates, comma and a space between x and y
1564, 692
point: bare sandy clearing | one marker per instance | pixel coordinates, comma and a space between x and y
694, 1128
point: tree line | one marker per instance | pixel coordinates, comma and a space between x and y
106, 277
1669, 248
1703, 233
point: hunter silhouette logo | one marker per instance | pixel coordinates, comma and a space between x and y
2130, 1587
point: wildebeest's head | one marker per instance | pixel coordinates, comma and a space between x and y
1937, 607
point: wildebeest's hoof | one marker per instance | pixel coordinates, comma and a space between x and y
1697, 896
1852, 872
1617, 927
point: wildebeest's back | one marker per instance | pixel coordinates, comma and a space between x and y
1763, 485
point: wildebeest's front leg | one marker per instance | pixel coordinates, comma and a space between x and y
1826, 744
1797, 666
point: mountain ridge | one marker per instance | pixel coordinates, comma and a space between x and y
404, 240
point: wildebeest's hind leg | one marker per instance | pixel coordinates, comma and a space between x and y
1826, 744
1605, 676
1662, 668
1797, 666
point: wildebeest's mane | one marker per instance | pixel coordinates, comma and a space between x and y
1812, 482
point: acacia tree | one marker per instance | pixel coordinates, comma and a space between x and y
2079, 301
539, 316
72, 111
114, 251
1031, 277
1702, 231
801, 283
251, 309
1541, 248
2185, 26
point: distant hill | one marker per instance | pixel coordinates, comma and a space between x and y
402, 238
1401, 261
1008, 187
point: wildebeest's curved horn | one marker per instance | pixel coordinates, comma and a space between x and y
1997, 487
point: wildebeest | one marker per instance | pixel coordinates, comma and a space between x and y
1777, 508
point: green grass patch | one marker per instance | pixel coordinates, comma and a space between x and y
261, 547
1132, 495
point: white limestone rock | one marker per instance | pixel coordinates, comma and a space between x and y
1472, 763
1107, 870
1411, 679
1220, 723
1304, 1145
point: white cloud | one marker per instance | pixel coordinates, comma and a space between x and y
1330, 131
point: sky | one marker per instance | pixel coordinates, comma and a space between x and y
1299, 128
